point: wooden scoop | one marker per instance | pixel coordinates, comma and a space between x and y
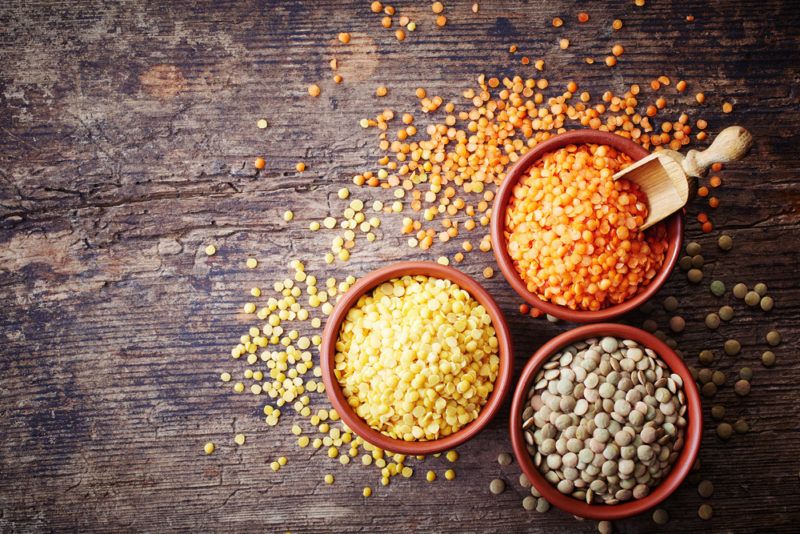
664, 175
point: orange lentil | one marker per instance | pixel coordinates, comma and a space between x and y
314, 90
655, 85
664, 80
689, 18
727, 107
344, 37
437, 7
557, 22
260, 163
617, 24
582, 250
701, 124
713, 202
420, 92
441, 20
617, 50
715, 181
381, 91
300, 167
583, 16
702, 217
524, 309
700, 97
680, 86
702, 191
386, 22
716, 167
535, 312
707, 227
337, 78
512, 49
376, 7
611, 61
563, 44
525, 60
400, 35
389, 10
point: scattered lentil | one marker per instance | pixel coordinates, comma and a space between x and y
705, 511
712, 321
732, 347
705, 489
726, 313
768, 358
504, 458
751, 298
497, 486
211, 250
660, 516
695, 276
724, 431
718, 411
767, 303
741, 426
739, 290
209, 447
742, 388
717, 288
773, 338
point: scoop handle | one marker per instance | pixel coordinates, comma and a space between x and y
731, 144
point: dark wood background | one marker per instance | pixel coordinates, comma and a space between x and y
127, 135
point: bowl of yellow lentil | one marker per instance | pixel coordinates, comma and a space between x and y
565, 233
416, 358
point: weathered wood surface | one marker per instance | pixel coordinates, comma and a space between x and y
127, 135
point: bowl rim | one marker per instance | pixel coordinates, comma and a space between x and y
680, 469
674, 226
330, 334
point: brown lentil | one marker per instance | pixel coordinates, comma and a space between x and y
742, 388
751, 298
497, 486
712, 321
705, 489
706, 357
760, 288
726, 313
768, 358
718, 378
685, 263
741, 426
725, 242
724, 431
767, 303
695, 276
693, 248
705, 512
670, 303
739, 290
732, 347
773, 338
677, 324
746, 373
718, 411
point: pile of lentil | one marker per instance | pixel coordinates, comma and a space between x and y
605, 420
417, 358
572, 230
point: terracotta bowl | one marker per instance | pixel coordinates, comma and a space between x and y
328, 351
692, 434
674, 226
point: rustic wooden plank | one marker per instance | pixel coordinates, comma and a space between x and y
127, 134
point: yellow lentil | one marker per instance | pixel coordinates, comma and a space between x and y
251, 263
430, 476
239, 439
209, 448
329, 479
211, 250
367, 491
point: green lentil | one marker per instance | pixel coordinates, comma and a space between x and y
741, 426
670, 304
542, 505
767, 304
760, 288
693, 248
718, 378
726, 313
773, 338
705, 489
709, 390
751, 298
497, 486
724, 431
705, 512
529, 502
746, 373
677, 323
712, 321
725, 242
695, 276
732, 347
660, 517
717, 288
768, 358
605, 527
685, 263
742, 388
698, 261
718, 411
504, 458
706, 357
739, 290
524, 482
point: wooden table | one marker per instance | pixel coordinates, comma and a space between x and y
127, 137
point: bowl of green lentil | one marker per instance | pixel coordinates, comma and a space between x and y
679, 393
416, 358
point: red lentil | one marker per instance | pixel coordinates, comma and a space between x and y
572, 230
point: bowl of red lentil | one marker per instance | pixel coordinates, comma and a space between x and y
373, 369
565, 234
691, 438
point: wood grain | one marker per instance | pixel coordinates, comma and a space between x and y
127, 134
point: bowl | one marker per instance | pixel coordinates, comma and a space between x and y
692, 434
328, 351
674, 226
